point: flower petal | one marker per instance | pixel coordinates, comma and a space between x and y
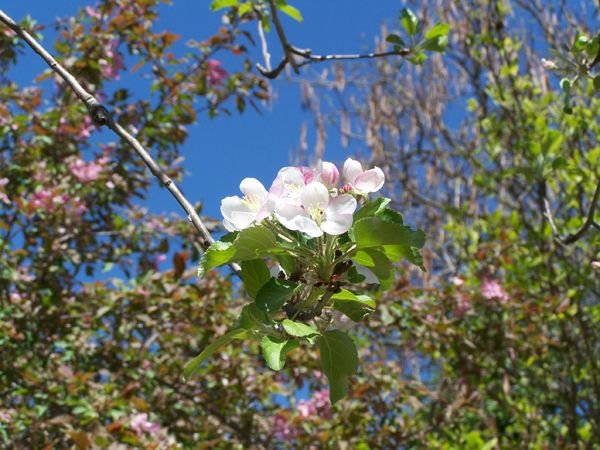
342, 204
308, 226
287, 212
253, 187
370, 181
352, 169
236, 212
315, 196
337, 224
329, 175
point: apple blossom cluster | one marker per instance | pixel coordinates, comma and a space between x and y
311, 201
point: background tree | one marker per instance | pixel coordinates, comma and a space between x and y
496, 346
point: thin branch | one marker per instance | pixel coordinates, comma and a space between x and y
102, 117
264, 46
589, 221
287, 48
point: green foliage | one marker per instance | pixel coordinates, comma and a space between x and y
339, 361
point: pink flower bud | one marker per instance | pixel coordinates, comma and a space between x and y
329, 174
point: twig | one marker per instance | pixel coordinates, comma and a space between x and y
311, 58
287, 48
589, 221
264, 46
102, 117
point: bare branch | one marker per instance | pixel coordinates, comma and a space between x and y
101, 117
589, 221
287, 48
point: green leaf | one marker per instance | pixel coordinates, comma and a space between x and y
253, 318
220, 4
418, 58
275, 349
254, 242
192, 367
397, 241
597, 82
273, 295
559, 163
298, 329
245, 8
395, 39
371, 208
565, 84
217, 254
389, 215
255, 275
378, 263
251, 243
339, 361
437, 44
438, 30
289, 10
409, 21
356, 307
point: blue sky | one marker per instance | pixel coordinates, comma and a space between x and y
222, 151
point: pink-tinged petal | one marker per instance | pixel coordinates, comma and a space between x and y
370, 181
253, 187
308, 173
288, 184
337, 224
329, 174
267, 208
315, 196
342, 204
352, 169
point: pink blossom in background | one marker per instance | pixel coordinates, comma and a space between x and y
215, 73
462, 305
3, 196
317, 405
111, 66
308, 174
85, 172
595, 264
85, 131
491, 290
41, 200
281, 427
140, 424
92, 12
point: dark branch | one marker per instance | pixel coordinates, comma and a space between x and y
589, 221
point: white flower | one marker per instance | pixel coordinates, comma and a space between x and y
362, 181
548, 64
240, 213
317, 212
287, 185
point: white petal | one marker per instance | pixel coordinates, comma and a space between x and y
342, 204
291, 175
228, 225
251, 186
236, 212
370, 181
315, 196
338, 224
329, 175
308, 226
286, 213
352, 169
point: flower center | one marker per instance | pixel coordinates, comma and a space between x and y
252, 202
317, 214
